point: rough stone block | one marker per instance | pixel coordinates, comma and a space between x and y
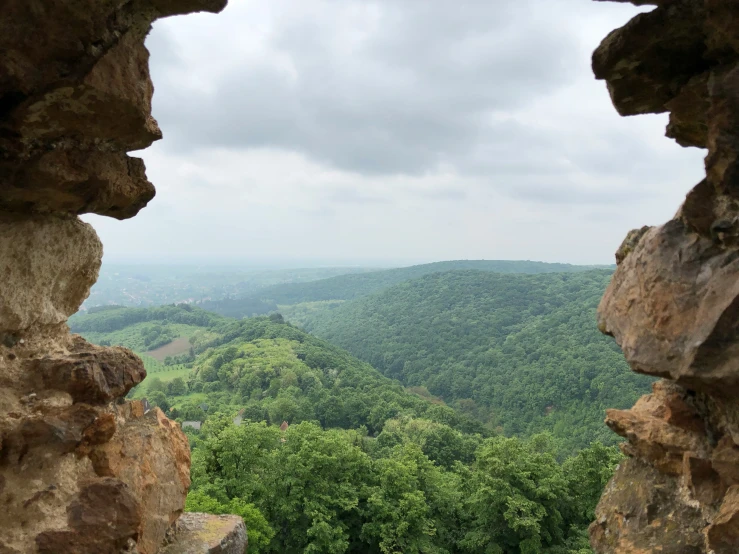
196, 533
47, 266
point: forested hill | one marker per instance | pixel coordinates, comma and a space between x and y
364, 466
519, 351
348, 287
263, 368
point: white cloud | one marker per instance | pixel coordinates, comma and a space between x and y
418, 130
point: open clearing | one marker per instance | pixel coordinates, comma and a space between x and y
176, 371
174, 348
163, 375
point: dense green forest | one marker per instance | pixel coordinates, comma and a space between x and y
365, 465
520, 352
309, 489
266, 369
348, 287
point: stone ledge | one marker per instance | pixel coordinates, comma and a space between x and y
195, 533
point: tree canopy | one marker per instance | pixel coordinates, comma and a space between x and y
520, 352
414, 461
308, 489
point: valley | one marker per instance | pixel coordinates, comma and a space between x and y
415, 407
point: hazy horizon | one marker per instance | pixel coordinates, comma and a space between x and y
276, 263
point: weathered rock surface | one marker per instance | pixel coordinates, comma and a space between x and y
673, 303
76, 181
641, 512
104, 517
672, 306
661, 428
206, 534
81, 470
61, 437
151, 454
88, 373
73, 104
47, 266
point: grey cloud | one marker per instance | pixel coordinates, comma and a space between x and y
486, 108
416, 92
417, 86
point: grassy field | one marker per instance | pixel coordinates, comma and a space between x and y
156, 369
131, 336
152, 365
171, 373
174, 348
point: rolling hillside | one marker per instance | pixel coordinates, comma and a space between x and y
263, 367
351, 286
520, 352
319, 452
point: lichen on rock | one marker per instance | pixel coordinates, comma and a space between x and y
81, 470
673, 303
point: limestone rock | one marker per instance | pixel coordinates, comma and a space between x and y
89, 373
104, 518
640, 2
48, 265
62, 447
700, 480
672, 307
650, 59
73, 104
206, 534
174, 7
723, 534
673, 303
661, 428
76, 35
151, 455
643, 512
110, 105
81, 470
725, 461
76, 182
630, 242
689, 113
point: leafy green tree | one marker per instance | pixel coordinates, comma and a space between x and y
176, 387
319, 490
158, 398
587, 474
398, 514
260, 532
515, 501
155, 384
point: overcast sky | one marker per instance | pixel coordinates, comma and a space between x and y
395, 131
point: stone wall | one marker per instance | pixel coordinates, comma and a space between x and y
673, 304
81, 470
